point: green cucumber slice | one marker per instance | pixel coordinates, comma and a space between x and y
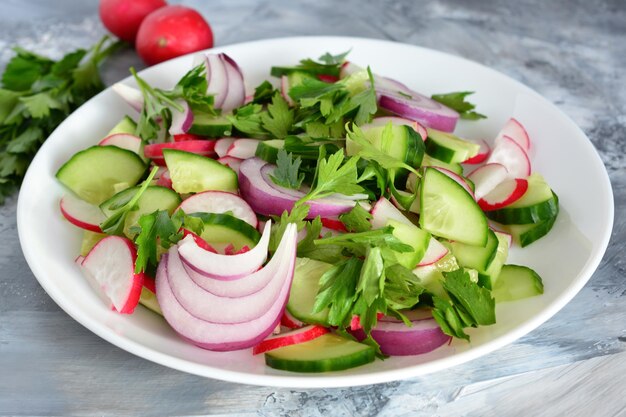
476, 257
99, 172
525, 234
193, 173
413, 236
209, 125
148, 299
429, 161
490, 276
399, 141
538, 204
267, 150
448, 210
126, 125
431, 276
304, 289
89, 241
154, 198
449, 148
326, 353
224, 229
516, 282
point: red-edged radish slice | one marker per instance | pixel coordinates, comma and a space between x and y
230, 249
183, 137
487, 177
219, 202
290, 321
397, 339
508, 236
434, 252
124, 141
111, 264
181, 120
222, 145
232, 163
94, 284
355, 322
333, 224
348, 68
217, 79
330, 79
420, 108
506, 193
149, 284
164, 180
199, 241
457, 178
514, 130
199, 147
131, 95
304, 334
236, 88
284, 90
82, 214
233, 336
383, 211
482, 154
510, 154
224, 267
399, 121
249, 99
243, 148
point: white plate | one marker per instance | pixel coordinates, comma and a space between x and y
566, 258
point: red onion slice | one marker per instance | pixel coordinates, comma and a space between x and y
236, 88
420, 108
217, 79
131, 95
181, 121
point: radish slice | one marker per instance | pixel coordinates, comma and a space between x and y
510, 154
434, 252
508, 236
181, 120
165, 180
506, 193
383, 211
482, 154
82, 214
301, 335
217, 79
232, 163
398, 339
348, 68
125, 141
219, 202
149, 284
284, 90
227, 337
111, 264
236, 88
270, 199
222, 145
290, 321
243, 148
333, 224
131, 95
487, 177
199, 147
399, 121
224, 267
419, 108
514, 130
94, 284
457, 178
183, 137
199, 241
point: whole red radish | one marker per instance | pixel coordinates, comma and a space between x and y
172, 31
123, 17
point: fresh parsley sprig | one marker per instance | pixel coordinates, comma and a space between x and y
456, 101
287, 172
329, 65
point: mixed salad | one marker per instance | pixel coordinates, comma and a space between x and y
324, 222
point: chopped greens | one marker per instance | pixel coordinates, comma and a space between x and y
286, 173
456, 101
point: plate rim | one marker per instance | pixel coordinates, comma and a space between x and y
328, 380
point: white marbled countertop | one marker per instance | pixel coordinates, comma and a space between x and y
571, 51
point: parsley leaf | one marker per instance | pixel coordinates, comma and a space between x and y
330, 65
286, 173
158, 229
247, 119
278, 119
456, 101
359, 241
357, 219
263, 93
337, 291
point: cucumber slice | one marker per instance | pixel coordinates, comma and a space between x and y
267, 150
209, 125
304, 289
538, 204
193, 173
149, 300
154, 198
429, 161
89, 241
328, 352
449, 148
449, 211
399, 141
98, 172
413, 236
431, 276
222, 228
516, 282
525, 234
476, 257
126, 125
296, 78
490, 276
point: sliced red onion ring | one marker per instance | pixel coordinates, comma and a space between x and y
217, 79
181, 121
420, 108
236, 88
131, 95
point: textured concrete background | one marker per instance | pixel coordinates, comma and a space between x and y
572, 52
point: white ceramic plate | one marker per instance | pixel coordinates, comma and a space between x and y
566, 258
